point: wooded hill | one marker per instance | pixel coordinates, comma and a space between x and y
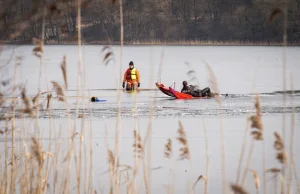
150, 20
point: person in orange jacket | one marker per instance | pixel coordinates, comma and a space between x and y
131, 77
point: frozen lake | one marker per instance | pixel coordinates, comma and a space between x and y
240, 72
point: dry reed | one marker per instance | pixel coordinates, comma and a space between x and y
118, 127
168, 154
242, 152
184, 150
274, 170
292, 169
28, 109
35, 99
238, 189
258, 135
111, 162
138, 145
279, 146
207, 158
215, 87
49, 96
38, 49
1, 99
283, 156
205, 182
168, 149
59, 91
108, 55
256, 180
63, 67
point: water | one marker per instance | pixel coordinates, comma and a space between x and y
240, 72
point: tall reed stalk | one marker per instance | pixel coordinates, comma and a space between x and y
206, 158
118, 127
284, 42
215, 87
13, 127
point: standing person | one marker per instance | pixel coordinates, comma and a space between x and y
131, 77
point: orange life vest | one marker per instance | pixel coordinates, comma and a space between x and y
131, 74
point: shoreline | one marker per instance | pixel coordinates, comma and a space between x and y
158, 43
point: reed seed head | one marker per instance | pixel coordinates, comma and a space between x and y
238, 189
184, 150
48, 100
1, 99
63, 67
36, 150
111, 157
59, 90
257, 135
256, 122
138, 144
28, 109
278, 145
274, 170
199, 178
277, 136
282, 157
214, 83
36, 99
256, 179
258, 106
168, 149
108, 56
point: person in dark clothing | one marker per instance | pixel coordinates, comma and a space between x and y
186, 88
194, 91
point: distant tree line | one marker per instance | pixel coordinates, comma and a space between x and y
150, 20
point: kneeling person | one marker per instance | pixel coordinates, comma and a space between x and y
131, 77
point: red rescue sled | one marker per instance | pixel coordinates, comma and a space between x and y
174, 93
164, 89
180, 95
